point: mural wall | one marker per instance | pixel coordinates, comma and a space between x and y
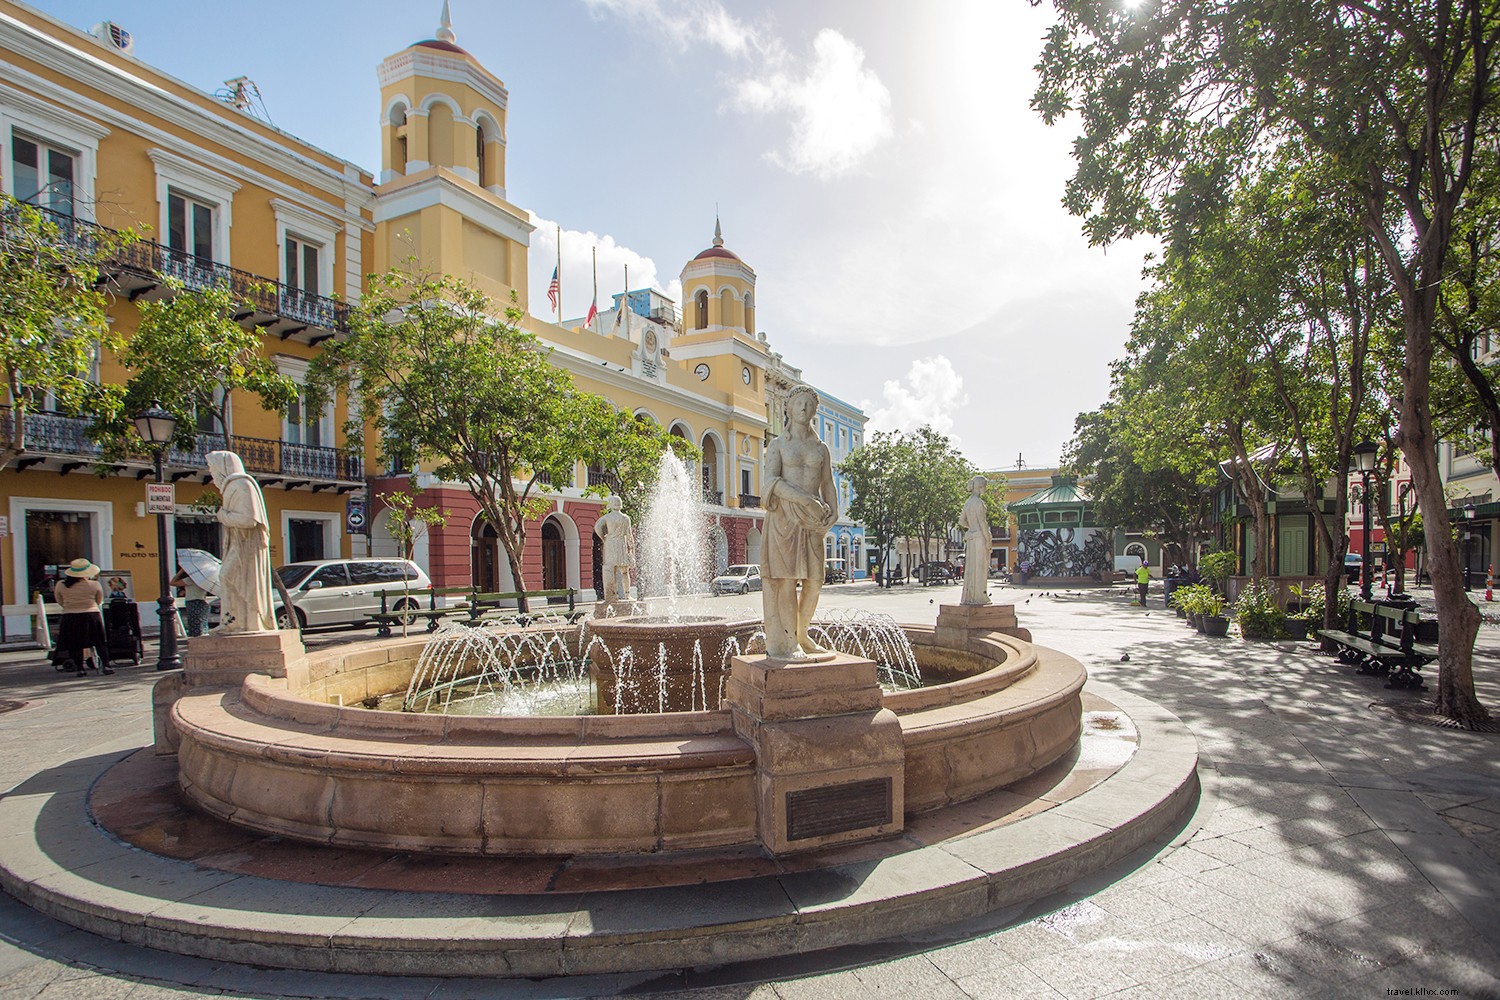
1066, 551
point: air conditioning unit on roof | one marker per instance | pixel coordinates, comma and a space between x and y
114, 36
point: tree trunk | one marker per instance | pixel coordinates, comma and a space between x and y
1458, 615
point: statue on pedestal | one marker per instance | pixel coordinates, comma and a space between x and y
245, 574
975, 520
614, 531
801, 504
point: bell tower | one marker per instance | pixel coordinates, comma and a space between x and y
441, 197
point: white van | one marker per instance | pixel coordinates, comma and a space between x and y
343, 591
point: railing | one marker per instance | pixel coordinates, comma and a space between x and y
148, 258
749, 500
598, 477
715, 497
60, 434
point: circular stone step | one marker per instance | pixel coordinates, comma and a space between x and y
59, 862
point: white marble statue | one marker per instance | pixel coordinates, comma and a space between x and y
245, 574
801, 505
614, 531
975, 521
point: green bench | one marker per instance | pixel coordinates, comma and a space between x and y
488, 607
1379, 639
404, 607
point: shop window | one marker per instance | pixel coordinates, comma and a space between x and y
54, 538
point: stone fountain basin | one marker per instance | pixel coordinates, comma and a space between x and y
644, 637
297, 757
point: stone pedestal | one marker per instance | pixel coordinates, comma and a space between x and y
956, 621
223, 661
830, 763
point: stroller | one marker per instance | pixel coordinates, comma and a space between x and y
122, 627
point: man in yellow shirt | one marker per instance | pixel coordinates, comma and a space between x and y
1143, 581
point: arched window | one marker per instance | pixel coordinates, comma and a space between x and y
750, 313
397, 153
700, 302
481, 168
485, 133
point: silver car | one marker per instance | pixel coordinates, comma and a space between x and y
739, 579
344, 591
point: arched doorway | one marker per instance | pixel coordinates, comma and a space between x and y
752, 546
486, 558
713, 490
554, 556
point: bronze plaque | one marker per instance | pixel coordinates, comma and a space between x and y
856, 805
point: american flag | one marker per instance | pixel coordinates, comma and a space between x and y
552, 289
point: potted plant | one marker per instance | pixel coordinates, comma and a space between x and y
1191, 601
1258, 613
1308, 613
1214, 622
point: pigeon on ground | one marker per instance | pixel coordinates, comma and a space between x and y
1125, 658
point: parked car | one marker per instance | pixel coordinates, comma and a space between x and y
343, 591
835, 571
1354, 565
738, 579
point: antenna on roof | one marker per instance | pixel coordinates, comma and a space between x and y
1020, 463
242, 93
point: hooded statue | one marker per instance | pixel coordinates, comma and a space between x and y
245, 575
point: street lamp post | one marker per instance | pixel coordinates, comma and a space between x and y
1468, 540
1364, 463
157, 427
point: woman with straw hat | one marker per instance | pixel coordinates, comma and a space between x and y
82, 628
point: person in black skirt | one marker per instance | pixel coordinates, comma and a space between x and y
82, 600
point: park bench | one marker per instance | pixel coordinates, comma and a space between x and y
1379, 638
393, 613
487, 607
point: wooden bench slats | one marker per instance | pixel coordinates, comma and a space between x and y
1389, 640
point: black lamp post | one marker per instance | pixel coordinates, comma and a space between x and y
1364, 463
157, 427
1468, 540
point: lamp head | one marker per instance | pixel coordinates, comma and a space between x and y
156, 425
1469, 511
1364, 456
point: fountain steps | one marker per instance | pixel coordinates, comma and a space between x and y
65, 866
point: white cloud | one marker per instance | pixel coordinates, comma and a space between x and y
837, 108
576, 275
930, 395
840, 111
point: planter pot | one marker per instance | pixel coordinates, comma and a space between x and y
1215, 625
1296, 628
1181, 613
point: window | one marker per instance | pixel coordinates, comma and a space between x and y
190, 226
745, 481
306, 426
332, 575
700, 303
44, 174
302, 265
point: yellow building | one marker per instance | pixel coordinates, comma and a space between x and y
92, 134
89, 133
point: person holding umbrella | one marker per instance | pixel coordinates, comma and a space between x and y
82, 599
198, 576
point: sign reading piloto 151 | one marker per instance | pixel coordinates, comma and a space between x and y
161, 498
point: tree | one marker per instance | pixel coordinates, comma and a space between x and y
443, 376
53, 324
189, 354
936, 484
1177, 98
876, 476
407, 520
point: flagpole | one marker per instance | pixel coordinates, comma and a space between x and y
595, 325
625, 302
559, 274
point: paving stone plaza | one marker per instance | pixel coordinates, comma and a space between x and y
1338, 849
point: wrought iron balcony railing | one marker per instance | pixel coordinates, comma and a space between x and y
274, 305
64, 436
598, 477
715, 497
749, 500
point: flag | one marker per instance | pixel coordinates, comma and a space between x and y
552, 289
593, 315
594, 305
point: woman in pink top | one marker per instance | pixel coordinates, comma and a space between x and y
82, 627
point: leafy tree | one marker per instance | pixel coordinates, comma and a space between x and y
189, 354
407, 520
876, 472
53, 324
1178, 98
937, 484
443, 376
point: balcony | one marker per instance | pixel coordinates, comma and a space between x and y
60, 441
137, 271
714, 498
598, 477
749, 501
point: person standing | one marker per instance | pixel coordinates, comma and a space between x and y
82, 602
195, 611
1143, 580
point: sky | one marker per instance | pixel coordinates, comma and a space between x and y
875, 161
